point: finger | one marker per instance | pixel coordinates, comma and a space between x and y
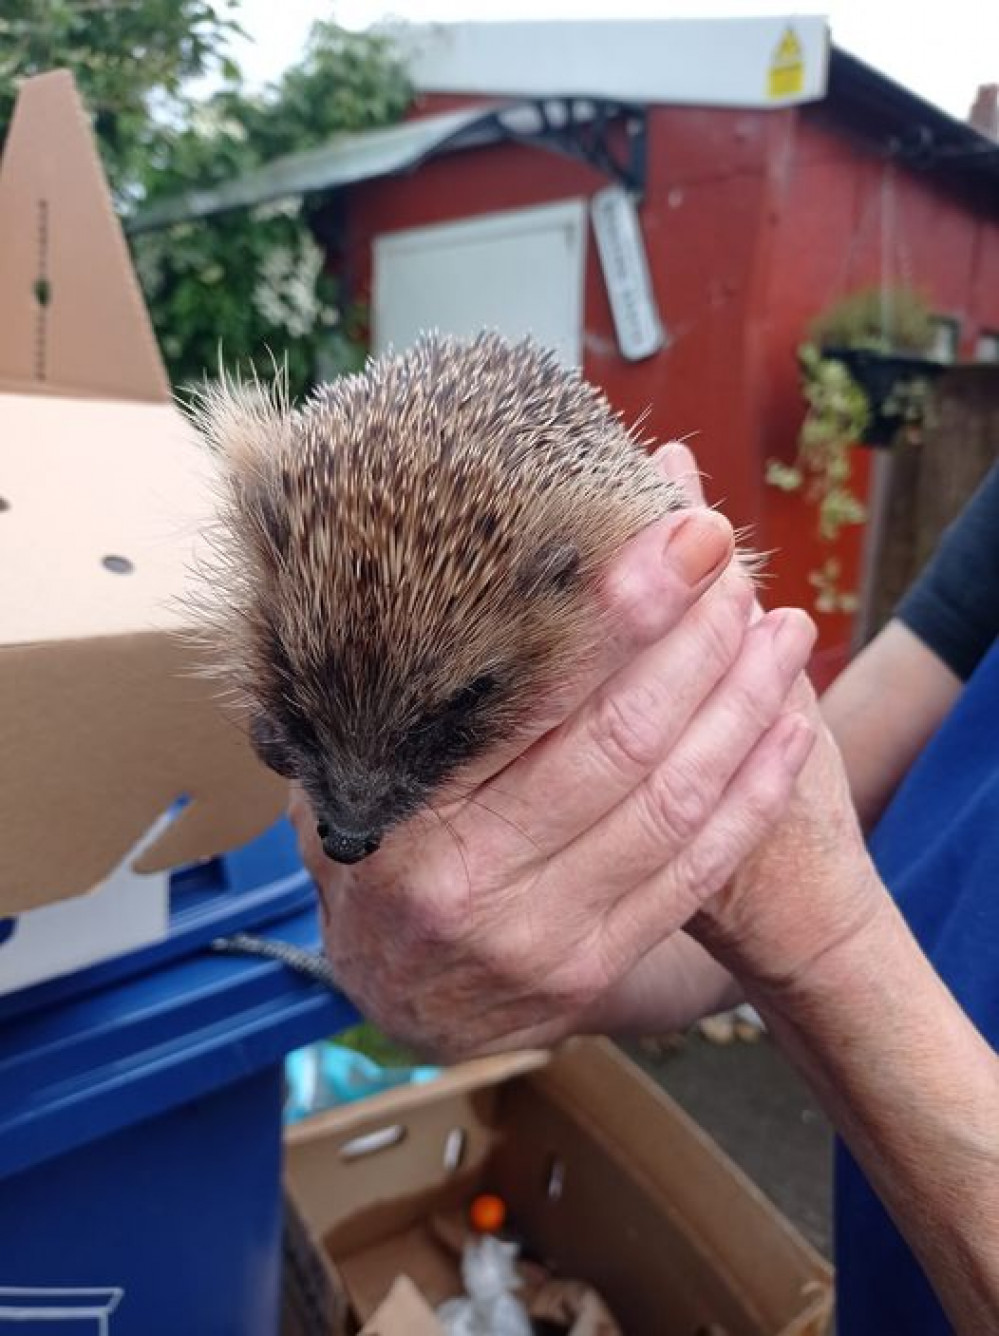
677, 464
581, 771
667, 812
659, 575
755, 800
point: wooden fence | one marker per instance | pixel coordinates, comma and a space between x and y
919, 489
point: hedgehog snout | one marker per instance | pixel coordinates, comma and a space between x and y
347, 846
352, 816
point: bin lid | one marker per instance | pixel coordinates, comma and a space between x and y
74, 1072
239, 891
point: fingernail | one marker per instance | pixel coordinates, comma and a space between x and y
699, 546
793, 639
797, 742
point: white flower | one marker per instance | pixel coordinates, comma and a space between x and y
285, 293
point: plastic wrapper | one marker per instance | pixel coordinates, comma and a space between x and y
491, 1306
324, 1075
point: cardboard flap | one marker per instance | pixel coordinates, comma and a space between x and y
103, 510
404, 1313
74, 321
390, 1105
106, 728
98, 746
723, 1211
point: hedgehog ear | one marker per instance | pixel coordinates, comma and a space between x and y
555, 565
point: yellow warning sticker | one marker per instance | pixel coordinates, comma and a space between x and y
786, 76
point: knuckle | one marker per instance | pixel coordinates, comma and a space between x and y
721, 625
676, 804
624, 728
766, 800
639, 615
703, 869
751, 702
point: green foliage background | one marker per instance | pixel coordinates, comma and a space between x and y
249, 283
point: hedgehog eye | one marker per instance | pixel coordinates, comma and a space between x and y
481, 687
270, 746
476, 691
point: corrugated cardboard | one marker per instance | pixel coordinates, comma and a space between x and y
405, 1312
104, 723
92, 334
602, 1172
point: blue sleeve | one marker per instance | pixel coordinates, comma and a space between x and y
954, 605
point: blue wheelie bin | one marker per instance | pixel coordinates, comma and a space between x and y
141, 1111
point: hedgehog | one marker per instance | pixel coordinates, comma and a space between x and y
406, 565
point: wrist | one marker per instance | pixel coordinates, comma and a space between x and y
808, 901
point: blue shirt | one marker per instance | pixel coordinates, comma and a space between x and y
937, 849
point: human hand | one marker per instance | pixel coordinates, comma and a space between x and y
502, 918
808, 887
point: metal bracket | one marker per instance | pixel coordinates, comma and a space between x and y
577, 128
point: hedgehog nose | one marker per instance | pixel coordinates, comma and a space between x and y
344, 846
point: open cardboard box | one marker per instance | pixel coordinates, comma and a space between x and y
603, 1174
104, 724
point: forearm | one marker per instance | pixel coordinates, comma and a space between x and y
914, 1091
882, 710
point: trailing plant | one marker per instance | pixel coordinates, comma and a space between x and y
840, 413
837, 412
836, 416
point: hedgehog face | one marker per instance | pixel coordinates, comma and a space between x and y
359, 792
372, 745
407, 565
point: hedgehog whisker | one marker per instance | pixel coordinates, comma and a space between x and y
501, 816
513, 824
459, 845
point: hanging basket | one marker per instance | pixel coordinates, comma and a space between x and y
888, 380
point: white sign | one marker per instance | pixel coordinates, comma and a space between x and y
626, 273
731, 62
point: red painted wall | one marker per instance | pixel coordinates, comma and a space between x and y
753, 222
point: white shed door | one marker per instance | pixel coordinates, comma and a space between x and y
518, 272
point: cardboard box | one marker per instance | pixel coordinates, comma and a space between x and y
104, 722
603, 1174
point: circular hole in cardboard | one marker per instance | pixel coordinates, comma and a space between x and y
117, 565
4, 504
